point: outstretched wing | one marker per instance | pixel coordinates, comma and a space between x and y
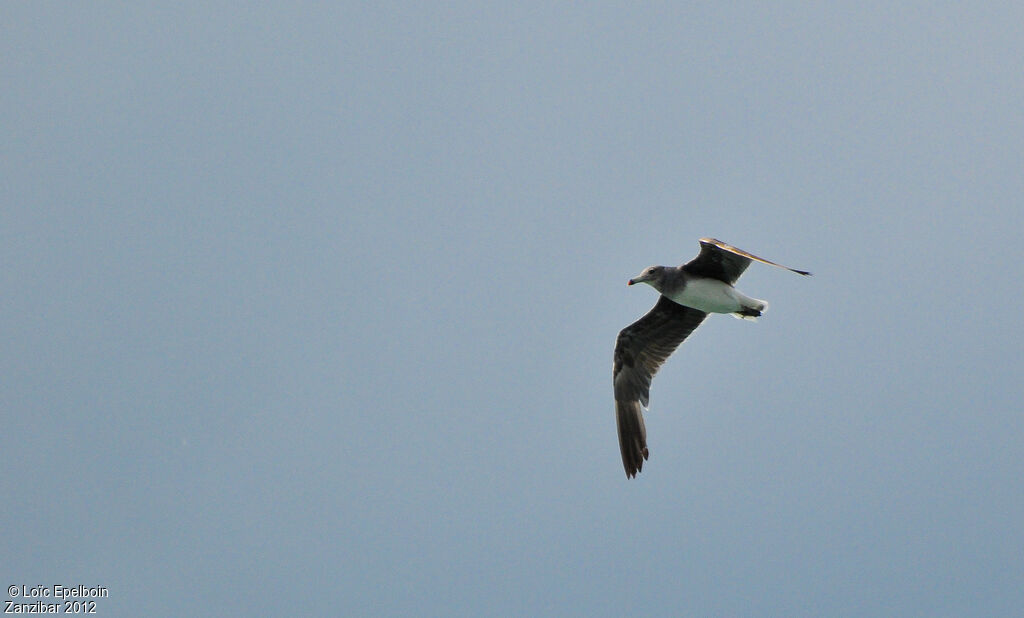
640, 350
725, 262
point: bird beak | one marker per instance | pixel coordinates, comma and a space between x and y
630, 282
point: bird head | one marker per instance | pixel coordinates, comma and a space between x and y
652, 276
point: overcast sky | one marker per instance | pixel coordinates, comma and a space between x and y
311, 309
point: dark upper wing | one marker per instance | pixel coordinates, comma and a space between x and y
640, 350
725, 262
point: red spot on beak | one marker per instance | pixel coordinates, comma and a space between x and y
630, 282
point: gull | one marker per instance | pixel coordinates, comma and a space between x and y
688, 294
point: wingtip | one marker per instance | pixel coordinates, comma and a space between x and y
636, 467
629, 420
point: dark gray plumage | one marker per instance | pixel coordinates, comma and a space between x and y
640, 350
688, 293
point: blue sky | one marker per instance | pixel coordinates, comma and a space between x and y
313, 306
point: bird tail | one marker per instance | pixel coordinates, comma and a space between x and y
752, 309
629, 417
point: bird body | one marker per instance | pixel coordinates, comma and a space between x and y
705, 293
688, 294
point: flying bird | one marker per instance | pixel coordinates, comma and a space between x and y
688, 294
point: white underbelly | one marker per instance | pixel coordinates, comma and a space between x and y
712, 296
